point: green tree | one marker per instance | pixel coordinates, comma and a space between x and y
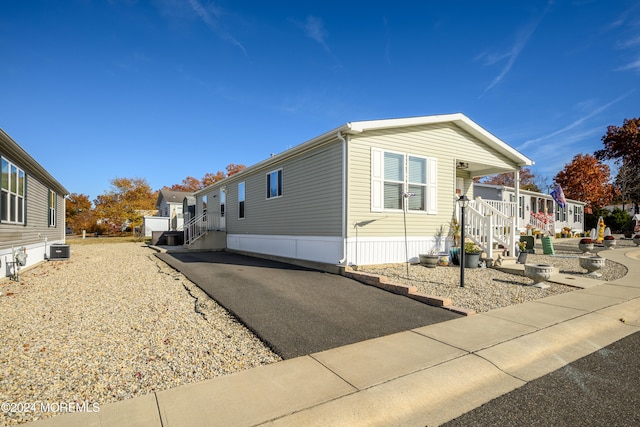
125, 204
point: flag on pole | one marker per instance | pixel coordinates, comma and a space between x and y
558, 196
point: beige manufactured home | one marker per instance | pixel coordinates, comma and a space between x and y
32, 208
367, 192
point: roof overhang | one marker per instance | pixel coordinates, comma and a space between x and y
16, 153
354, 128
459, 119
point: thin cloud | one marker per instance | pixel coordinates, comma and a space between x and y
210, 16
512, 54
635, 65
314, 29
573, 124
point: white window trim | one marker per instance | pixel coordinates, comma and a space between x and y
377, 182
244, 200
53, 197
20, 199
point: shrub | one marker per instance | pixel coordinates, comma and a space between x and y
471, 248
586, 241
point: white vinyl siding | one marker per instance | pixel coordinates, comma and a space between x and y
396, 175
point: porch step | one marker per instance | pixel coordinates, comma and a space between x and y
508, 260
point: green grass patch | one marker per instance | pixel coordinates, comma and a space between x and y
78, 240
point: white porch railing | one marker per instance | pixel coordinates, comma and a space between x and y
543, 222
199, 225
490, 225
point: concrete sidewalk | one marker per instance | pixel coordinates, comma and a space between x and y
424, 376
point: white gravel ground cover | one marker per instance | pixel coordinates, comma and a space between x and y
111, 323
487, 288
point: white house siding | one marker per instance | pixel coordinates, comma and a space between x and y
380, 235
571, 218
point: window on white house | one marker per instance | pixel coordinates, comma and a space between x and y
241, 200
396, 174
223, 198
12, 192
577, 214
274, 184
52, 208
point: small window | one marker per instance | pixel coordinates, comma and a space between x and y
241, 200
223, 198
274, 184
52, 208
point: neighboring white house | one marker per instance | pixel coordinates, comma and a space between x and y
170, 205
352, 194
32, 208
535, 209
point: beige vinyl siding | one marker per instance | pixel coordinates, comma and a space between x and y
311, 202
445, 142
36, 228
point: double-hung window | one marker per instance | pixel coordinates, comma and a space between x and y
52, 208
241, 200
12, 192
274, 184
577, 214
403, 181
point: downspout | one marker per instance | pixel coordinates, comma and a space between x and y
343, 261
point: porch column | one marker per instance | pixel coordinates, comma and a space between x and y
514, 229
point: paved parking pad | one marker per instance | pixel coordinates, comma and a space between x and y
299, 311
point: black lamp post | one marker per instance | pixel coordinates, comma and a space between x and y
464, 202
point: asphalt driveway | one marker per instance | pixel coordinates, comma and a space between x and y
298, 311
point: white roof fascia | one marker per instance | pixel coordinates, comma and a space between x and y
459, 119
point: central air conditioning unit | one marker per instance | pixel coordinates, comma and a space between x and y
59, 252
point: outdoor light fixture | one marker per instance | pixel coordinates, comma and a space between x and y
462, 165
463, 201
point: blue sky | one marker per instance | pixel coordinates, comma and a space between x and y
97, 89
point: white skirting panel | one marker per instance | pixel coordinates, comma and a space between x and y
311, 248
35, 253
389, 250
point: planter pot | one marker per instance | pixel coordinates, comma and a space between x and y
443, 260
522, 257
636, 241
471, 260
539, 273
454, 256
429, 260
585, 247
592, 264
609, 244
